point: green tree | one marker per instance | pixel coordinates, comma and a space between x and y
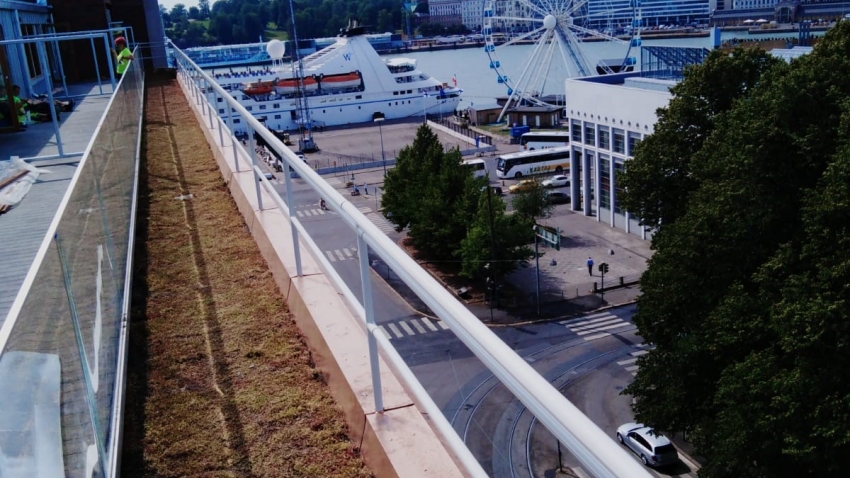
178, 13
658, 182
433, 194
204, 7
532, 202
496, 242
745, 298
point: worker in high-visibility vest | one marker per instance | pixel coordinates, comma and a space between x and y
122, 55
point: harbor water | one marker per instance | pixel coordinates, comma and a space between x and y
471, 66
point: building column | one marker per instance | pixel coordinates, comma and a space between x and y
576, 163
585, 172
597, 184
613, 185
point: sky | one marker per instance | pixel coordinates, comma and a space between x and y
169, 4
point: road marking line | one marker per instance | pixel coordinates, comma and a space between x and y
299, 213
416, 325
598, 324
639, 353
395, 330
364, 209
587, 317
339, 254
582, 322
443, 325
632, 368
347, 252
330, 256
597, 336
634, 374
406, 328
384, 331
626, 362
429, 323
597, 329
308, 212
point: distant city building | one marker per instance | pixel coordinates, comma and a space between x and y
471, 12
618, 14
445, 12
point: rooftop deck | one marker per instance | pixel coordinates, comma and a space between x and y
23, 227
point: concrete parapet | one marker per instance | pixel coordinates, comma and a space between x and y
396, 443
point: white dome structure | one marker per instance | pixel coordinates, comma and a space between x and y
275, 49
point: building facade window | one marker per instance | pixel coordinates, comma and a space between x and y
634, 139
575, 131
590, 134
604, 138
618, 190
619, 141
605, 181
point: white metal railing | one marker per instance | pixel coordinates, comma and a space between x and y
598, 453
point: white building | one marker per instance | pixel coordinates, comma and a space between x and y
607, 119
471, 12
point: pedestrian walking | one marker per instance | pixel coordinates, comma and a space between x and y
590, 266
366, 189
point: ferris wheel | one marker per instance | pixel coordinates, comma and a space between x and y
557, 31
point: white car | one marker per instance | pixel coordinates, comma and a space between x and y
654, 449
556, 181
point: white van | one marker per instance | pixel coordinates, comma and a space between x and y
478, 167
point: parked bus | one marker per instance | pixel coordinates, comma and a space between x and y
478, 167
526, 163
544, 140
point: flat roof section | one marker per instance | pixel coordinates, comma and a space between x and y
22, 229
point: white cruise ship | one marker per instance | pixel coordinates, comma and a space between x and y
344, 83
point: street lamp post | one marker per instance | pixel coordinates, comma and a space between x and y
491, 270
381, 131
537, 269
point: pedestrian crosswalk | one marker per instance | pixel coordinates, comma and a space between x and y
343, 254
410, 327
307, 212
594, 326
630, 364
379, 220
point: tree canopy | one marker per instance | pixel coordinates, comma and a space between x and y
248, 21
449, 213
430, 192
532, 202
747, 180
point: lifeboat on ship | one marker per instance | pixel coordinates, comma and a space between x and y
341, 81
290, 85
258, 88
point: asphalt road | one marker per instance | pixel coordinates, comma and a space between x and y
590, 359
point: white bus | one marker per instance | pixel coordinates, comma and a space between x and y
526, 163
544, 140
477, 166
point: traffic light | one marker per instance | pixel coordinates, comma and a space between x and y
603, 268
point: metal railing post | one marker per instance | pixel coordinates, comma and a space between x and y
252, 146
290, 203
233, 138
220, 121
205, 104
369, 310
210, 104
